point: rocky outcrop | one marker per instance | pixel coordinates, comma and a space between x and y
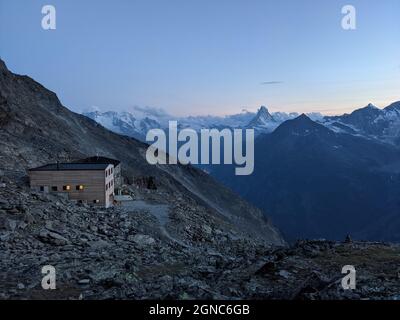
113, 253
120, 253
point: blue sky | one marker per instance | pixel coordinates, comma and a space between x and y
208, 57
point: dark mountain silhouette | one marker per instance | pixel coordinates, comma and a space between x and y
316, 183
371, 122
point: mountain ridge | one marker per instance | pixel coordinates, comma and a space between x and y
369, 122
37, 129
318, 183
135, 124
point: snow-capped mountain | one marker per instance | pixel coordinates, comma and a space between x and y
264, 121
134, 124
230, 121
370, 122
138, 121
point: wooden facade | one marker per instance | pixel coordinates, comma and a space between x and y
118, 180
92, 186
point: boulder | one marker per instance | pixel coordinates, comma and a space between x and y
143, 240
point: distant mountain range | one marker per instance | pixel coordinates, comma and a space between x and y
137, 122
369, 122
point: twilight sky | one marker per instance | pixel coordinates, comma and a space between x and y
208, 57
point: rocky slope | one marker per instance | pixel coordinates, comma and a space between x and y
119, 253
113, 253
37, 129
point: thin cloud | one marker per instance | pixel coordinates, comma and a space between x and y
271, 82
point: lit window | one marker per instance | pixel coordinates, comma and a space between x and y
66, 188
80, 187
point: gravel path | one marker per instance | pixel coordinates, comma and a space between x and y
160, 211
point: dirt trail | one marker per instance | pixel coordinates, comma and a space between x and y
160, 211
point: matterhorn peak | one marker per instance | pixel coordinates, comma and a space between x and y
264, 114
263, 119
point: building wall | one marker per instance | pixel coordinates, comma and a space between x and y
117, 176
109, 185
94, 182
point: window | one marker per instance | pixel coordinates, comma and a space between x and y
41, 188
112, 170
66, 188
96, 201
106, 187
54, 188
106, 173
80, 187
